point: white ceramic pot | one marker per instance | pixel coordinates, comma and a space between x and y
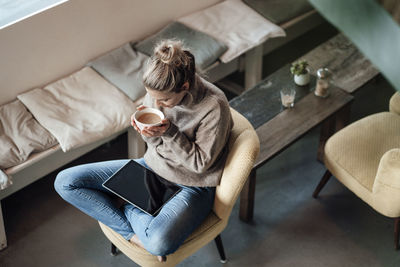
302, 79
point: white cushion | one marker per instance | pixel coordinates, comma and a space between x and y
80, 109
234, 23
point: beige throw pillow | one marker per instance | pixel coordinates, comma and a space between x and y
80, 109
123, 67
20, 135
235, 24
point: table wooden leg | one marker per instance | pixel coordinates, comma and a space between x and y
331, 125
327, 129
247, 198
343, 117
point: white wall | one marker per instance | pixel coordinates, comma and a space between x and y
61, 40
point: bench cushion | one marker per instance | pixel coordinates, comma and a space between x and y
234, 23
279, 11
123, 67
20, 135
205, 48
80, 109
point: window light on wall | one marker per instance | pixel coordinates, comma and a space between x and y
12, 11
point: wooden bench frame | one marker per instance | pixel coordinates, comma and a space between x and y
43, 163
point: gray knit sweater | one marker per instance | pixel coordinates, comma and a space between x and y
193, 150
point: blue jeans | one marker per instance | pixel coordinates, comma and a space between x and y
162, 234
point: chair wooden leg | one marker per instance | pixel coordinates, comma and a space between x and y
113, 249
322, 183
396, 232
220, 247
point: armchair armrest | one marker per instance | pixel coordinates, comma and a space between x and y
386, 188
394, 104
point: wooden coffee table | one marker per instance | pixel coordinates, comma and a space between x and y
277, 128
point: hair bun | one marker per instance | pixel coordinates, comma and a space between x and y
170, 52
170, 67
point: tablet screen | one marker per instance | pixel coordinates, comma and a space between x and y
141, 187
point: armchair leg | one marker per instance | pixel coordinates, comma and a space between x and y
396, 232
220, 247
113, 250
322, 183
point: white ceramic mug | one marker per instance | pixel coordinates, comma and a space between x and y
139, 113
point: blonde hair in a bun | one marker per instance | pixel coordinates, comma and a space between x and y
170, 67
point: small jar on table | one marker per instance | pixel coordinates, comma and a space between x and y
324, 76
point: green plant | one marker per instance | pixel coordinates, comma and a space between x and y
299, 67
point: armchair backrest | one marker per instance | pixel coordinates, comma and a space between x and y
394, 104
244, 147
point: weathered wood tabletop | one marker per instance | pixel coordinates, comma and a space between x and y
350, 67
278, 127
262, 102
291, 124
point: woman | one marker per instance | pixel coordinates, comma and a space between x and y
188, 148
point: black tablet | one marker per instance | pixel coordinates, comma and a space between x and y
141, 187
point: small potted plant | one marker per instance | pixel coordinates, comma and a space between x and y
301, 72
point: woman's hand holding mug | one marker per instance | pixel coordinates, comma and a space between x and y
151, 131
154, 131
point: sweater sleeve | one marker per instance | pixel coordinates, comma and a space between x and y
211, 136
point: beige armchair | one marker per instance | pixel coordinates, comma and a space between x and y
365, 157
243, 150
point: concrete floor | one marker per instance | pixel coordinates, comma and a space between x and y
290, 228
